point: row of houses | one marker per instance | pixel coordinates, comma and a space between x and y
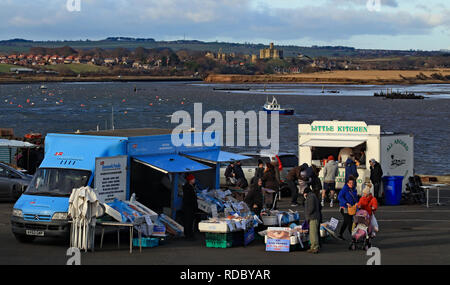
40, 60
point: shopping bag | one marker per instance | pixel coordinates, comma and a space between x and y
374, 223
352, 210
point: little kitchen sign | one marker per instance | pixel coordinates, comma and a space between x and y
338, 127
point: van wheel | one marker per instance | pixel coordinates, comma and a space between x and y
24, 238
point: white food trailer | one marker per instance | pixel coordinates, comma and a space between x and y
395, 152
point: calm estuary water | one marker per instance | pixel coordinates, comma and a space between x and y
66, 107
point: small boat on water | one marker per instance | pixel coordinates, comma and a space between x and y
273, 106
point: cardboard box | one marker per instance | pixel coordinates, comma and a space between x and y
213, 227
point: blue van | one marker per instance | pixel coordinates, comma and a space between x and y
70, 163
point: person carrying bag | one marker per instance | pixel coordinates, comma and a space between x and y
348, 203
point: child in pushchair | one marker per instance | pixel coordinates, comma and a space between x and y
363, 228
362, 231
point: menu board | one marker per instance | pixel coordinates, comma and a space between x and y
111, 178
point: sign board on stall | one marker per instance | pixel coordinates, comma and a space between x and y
278, 239
333, 224
111, 178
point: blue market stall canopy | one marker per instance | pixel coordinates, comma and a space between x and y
215, 156
170, 163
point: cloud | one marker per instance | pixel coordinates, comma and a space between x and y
241, 20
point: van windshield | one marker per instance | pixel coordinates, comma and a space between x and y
57, 181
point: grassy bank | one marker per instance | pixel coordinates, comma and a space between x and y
77, 68
341, 77
5, 68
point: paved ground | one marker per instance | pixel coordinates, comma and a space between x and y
410, 234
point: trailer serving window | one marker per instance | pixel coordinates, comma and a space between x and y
57, 181
321, 149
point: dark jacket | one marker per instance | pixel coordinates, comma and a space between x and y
229, 171
350, 169
259, 172
376, 173
270, 180
189, 199
312, 207
254, 196
238, 172
294, 173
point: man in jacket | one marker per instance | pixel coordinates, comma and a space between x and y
189, 206
350, 168
312, 215
239, 175
330, 172
375, 176
229, 174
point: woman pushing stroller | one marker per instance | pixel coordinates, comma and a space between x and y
364, 222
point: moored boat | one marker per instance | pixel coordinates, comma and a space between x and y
272, 107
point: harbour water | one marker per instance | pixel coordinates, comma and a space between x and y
67, 107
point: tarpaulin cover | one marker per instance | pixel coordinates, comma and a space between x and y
171, 163
216, 156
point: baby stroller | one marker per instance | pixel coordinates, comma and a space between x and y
362, 233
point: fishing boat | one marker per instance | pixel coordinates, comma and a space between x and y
273, 106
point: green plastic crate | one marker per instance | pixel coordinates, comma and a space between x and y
146, 242
219, 240
219, 244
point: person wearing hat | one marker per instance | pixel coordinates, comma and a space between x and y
368, 202
330, 172
312, 215
190, 206
375, 176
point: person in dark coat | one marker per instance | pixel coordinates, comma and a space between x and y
190, 206
254, 198
229, 174
270, 181
312, 215
350, 168
259, 171
239, 175
291, 179
376, 173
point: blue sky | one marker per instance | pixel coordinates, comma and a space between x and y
397, 24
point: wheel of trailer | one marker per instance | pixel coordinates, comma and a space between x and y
24, 238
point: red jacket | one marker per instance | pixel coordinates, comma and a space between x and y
367, 203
